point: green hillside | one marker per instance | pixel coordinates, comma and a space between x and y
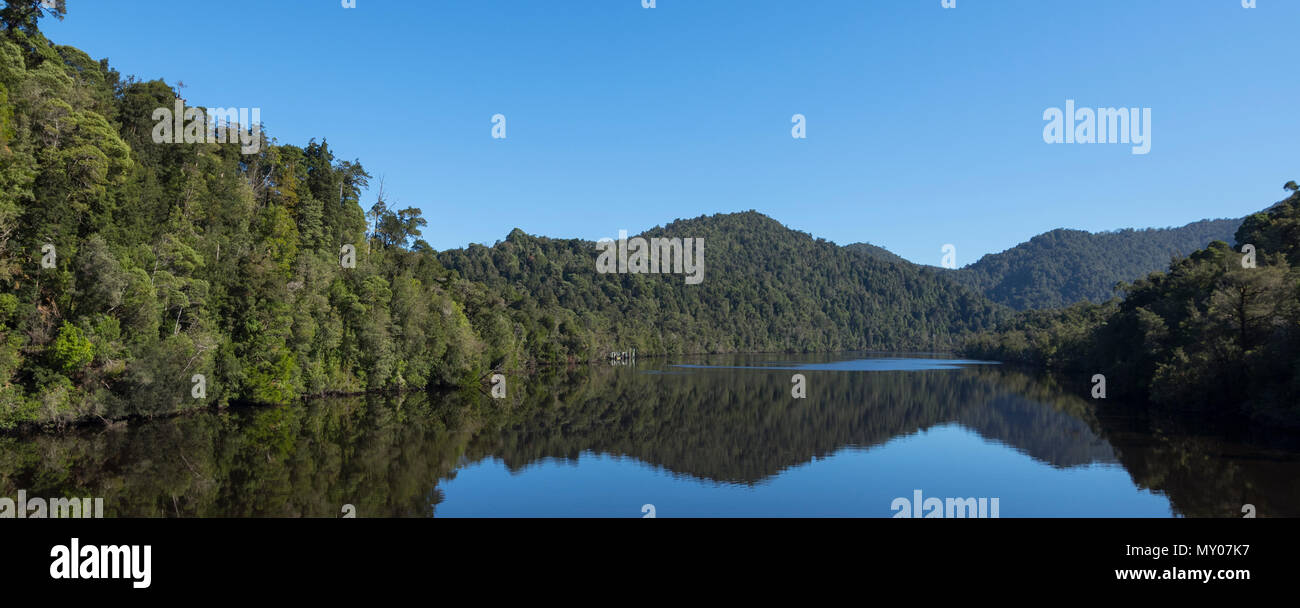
1062, 267
765, 288
1207, 333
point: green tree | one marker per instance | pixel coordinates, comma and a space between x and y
72, 350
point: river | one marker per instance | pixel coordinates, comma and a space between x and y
718, 436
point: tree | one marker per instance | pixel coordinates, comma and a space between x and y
23, 14
1249, 301
377, 212
72, 351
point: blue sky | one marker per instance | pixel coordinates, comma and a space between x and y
925, 124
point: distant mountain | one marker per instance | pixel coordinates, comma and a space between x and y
1062, 267
765, 288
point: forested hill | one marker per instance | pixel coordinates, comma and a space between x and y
1061, 267
765, 288
143, 275
1218, 329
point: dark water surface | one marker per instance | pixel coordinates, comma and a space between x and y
704, 436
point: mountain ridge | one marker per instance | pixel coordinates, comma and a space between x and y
777, 288
1018, 277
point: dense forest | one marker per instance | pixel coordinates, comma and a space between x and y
143, 278
140, 278
1218, 330
766, 289
1064, 267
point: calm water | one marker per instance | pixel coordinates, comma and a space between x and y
711, 436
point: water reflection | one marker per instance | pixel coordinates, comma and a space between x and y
722, 426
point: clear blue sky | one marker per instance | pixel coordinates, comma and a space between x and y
925, 124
